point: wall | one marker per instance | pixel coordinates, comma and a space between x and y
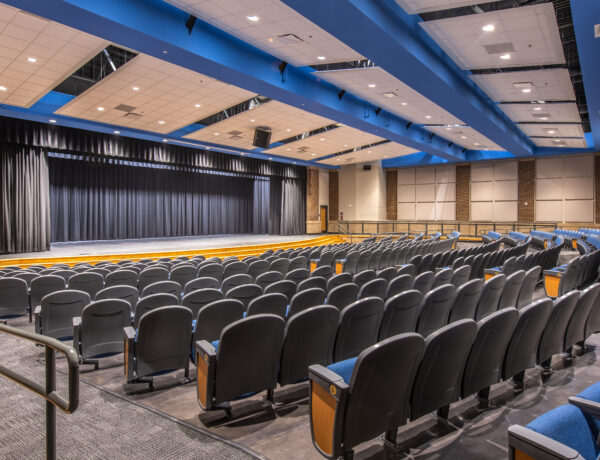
362, 193
565, 189
427, 193
495, 191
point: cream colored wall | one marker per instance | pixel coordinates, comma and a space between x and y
427, 193
362, 193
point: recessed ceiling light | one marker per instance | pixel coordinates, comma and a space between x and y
321, 58
271, 39
52, 121
161, 122
463, 137
371, 85
486, 149
543, 118
32, 59
252, 18
117, 132
288, 149
322, 139
505, 56
135, 88
197, 105
2, 88
488, 28
368, 151
216, 134
526, 90
100, 109
428, 116
287, 130
537, 108
550, 131
475, 143
345, 145
313, 154
165, 140
337, 159
389, 94
385, 156
270, 158
252, 120
404, 103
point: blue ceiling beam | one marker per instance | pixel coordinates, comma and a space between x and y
157, 28
383, 32
586, 13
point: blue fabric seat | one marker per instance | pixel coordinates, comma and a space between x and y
569, 426
343, 368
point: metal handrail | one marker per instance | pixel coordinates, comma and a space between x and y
48, 391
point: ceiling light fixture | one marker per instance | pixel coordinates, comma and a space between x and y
216, 134
322, 139
313, 154
321, 58
32, 60
488, 28
252, 120
2, 88
52, 121
526, 90
270, 158
371, 85
537, 108
117, 132
505, 56
100, 109
428, 117
404, 103
135, 88
165, 140
287, 130
252, 18
389, 94
161, 122
551, 131
288, 149
475, 143
463, 137
543, 118
197, 105
385, 156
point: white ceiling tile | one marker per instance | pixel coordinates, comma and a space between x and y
472, 139
378, 152
559, 130
424, 6
532, 31
568, 143
557, 112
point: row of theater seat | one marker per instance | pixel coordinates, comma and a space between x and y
405, 377
564, 278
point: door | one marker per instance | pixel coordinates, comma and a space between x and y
323, 219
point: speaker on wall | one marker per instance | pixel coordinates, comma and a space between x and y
262, 137
366, 167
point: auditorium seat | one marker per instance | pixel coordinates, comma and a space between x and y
312, 282
423, 282
280, 265
152, 302
257, 268
212, 318
435, 308
523, 345
565, 432
388, 273
183, 274
482, 368
122, 277
512, 287
128, 293
28, 276
54, 316
374, 288
274, 303
13, 297
234, 281
407, 269
363, 261
163, 287
297, 263
358, 328
358, 399
442, 277
87, 282
66, 274
152, 275
44, 285
490, 296
528, 287
575, 332
325, 271
232, 371
318, 323
98, 332
206, 282
399, 284
297, 275
145, 356
592, 325
400, 314
553, 335
342, 295
234, 268
285, 287
460, 275
349, 264
244, 293
338, 280
212, 270
197, 299
437, 383
363, 277
306, 299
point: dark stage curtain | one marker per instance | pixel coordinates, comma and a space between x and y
24, 198
102, 200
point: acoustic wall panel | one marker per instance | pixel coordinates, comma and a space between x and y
425, 211
445, 211
445, 192
549, 167
482, 191
425, 175
482, 172
578, 166
549, 189
549, 211
425, 193
579, 211
406, 193
505, 170
482, 211
495, 191
506, 190
578, 188
406, 176
406, 211
506, 211
445, 174
433, 195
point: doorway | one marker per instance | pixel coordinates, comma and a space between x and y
324, 217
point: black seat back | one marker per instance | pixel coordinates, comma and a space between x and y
244, 293
343, 295
320, 323
212, 270
466, 300
128, 293
438, 380
510, 293
43, 285
183, 274
364, 277
274, 303
526, 293
338, 280
443, 277
325, 271
286, 287
267, 278
87, 282
297, 275
435, 309
460, 276
306, 299
13, 297
257, 268
490, 296
151, 275
575, 332
553, 335
248, 356
312, 282
102, 324
358, 328
215, 316
423, 282
206, 282
374, 288
195, 300
58, 310
163, 287
400, 314
152, 302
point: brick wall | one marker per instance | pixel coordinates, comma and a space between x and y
312, 201
526, 190
391, 194
463, 192
334, 199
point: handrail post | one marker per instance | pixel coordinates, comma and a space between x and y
50, 408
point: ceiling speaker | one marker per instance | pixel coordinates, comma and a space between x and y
262, 137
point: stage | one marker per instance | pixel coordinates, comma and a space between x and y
208, 245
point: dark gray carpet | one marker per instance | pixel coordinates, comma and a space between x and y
104, 426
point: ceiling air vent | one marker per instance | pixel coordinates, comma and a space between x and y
290, 39
498, 48
302, 149
125, 108
235, 134
541, 115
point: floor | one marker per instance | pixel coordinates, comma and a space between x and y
87, 248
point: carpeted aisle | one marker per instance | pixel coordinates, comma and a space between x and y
104, 426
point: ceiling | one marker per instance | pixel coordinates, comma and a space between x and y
315, 78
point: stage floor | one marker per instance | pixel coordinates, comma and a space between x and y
187, 243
